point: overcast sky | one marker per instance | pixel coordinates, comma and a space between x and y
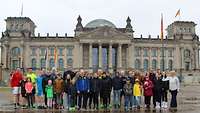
60, 16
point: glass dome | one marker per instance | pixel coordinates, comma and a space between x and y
100, 23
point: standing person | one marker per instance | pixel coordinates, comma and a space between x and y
39, 90
152, 77
67, 96
158, 90
58, 90
106, 85
137, 92
29, 91
123, 77
73, 94
49, 93
174, 87
46, 78
91, 93
15, 79
33, 77
23, 91
165, 89
95, 88
117, 88
82, 86
128, 91
148, 91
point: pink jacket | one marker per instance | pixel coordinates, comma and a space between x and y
148, 88
29, 87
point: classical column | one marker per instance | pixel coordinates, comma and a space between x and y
100, 56
131, 56
119, 56
158, 57
178, 57
90, 56
150, 58
110, 57
81, 56
181, 60
196, 58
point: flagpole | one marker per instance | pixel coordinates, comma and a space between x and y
162, 41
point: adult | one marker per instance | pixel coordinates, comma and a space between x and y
83, 87
15, 79
174, 87
117, 88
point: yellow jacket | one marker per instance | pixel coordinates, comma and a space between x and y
137, 90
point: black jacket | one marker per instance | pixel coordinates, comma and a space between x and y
106, 85
117, 83
158, 84
95, 85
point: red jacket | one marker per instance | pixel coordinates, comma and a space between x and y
15, 79
148, 88
29, 87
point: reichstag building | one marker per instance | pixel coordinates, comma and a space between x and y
100, 45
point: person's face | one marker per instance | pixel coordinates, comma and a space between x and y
68, 76
29, 80
30, 70
95, 75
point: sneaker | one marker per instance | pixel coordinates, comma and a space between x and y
165, 106
157, 105
162, 104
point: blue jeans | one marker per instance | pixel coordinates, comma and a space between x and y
137, 100
66, 100
116, 98
128, 101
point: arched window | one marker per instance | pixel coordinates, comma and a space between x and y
42, 63
61, 64
34, 63
15, 51
51, 63
70, 62
170, 65
154, 64
137, 64
146, 65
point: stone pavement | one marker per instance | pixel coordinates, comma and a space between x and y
188, 102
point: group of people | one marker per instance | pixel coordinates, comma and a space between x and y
81, 90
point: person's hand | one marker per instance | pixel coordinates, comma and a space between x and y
88, 91
78, 92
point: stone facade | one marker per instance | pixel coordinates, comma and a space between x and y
100, 45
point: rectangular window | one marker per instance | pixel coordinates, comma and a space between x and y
170, 53
60, 51
69, 51
42, 51
146, 52
137, 52
51, 51
33, 51
162, 52
154, 52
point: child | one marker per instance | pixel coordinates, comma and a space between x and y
148, 91
128, 91
49, 92
58, 90
29, 89
137, 92
165, 89
39, 90
23, 91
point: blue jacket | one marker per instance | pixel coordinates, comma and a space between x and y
83, 84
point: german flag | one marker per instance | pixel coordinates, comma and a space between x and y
178, 13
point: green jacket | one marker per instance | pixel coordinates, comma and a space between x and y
49, 91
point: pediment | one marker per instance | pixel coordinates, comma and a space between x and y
104, 33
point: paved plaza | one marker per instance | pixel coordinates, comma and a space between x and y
188, 99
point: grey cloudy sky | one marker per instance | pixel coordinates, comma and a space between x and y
59, 16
